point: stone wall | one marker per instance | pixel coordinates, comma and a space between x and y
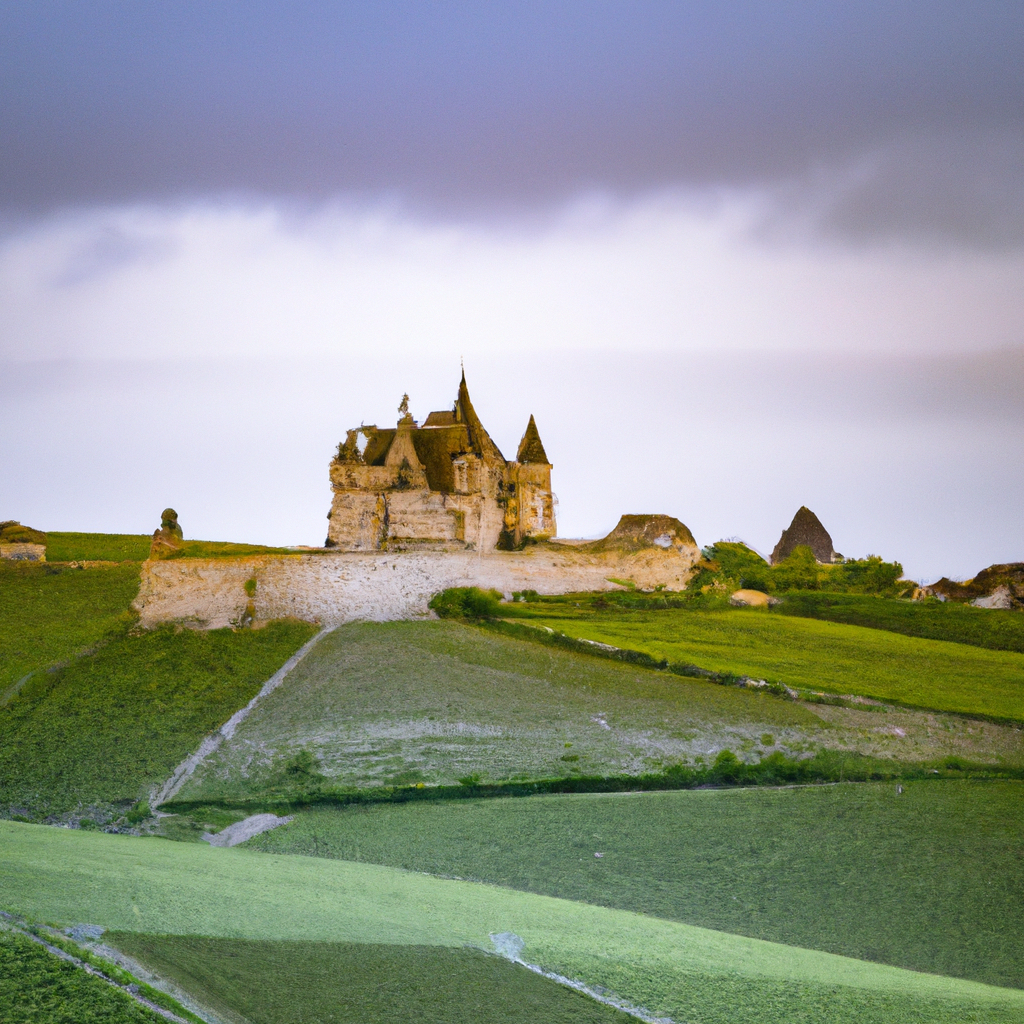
337, 587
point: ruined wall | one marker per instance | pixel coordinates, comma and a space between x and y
338, 587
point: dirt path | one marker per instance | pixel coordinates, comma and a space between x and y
184, 771
254, 825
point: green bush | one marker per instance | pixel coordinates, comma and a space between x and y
466, 603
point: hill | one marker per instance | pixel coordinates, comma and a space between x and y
672, 969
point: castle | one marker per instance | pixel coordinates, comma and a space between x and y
442, 485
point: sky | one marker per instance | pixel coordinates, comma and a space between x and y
734, 258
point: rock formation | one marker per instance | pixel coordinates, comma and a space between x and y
998, 586
805, 531
169, 538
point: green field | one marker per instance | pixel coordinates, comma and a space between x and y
49, 613
157, 887
101, 730
930, 879
401, 703
806, 653
361, 983
105, 547
934, 620
37, 986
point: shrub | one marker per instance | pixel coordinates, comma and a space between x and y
466, 603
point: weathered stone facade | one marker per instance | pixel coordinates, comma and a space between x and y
442, 486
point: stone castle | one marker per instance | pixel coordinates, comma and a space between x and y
443, 485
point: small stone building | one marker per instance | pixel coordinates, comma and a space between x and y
444, 484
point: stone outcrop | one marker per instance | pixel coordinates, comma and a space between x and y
336, 587
998, 586
443, 485
21, 543
806, 531
169, 538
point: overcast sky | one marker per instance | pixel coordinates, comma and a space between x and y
735, 258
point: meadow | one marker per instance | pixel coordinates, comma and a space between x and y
401, 703
439, 703
105, 547
673, 969
49, 613
360, 983
996, 629
91, 737
807, 653
929, 879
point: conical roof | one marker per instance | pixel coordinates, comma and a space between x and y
531, 448
480, 441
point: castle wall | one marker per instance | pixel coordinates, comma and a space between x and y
333, 588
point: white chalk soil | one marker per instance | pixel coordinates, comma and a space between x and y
254, 825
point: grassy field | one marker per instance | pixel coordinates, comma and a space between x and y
106, 547
799, 652
49, 613
673, 969
361, 983
37, 986
436, 702
931, 879
104, 728
404, 702
933, 620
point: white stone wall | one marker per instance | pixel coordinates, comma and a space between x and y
337, 587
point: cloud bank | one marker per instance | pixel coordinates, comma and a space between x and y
673, 272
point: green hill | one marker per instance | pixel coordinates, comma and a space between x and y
672, 969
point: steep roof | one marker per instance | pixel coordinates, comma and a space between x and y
530, 448
479, 440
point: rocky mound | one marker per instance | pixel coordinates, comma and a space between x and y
637, 533
998, 586
805, 531
12, 532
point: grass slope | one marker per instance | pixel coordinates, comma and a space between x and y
49, 613
361, 983
104, 728
818, 655
673, 969
404, 702
87, 547
931, 879
934, 620
37, 986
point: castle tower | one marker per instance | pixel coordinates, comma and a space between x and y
444, 484
536, 502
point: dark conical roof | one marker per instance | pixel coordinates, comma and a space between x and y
805, 531
531, 449
479, 439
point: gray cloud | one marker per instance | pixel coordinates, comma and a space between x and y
915, 110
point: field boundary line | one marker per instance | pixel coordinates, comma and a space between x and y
184, 771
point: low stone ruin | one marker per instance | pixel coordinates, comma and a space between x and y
806, 531
21, 543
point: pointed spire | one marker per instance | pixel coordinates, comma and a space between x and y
530, 448
479, 439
